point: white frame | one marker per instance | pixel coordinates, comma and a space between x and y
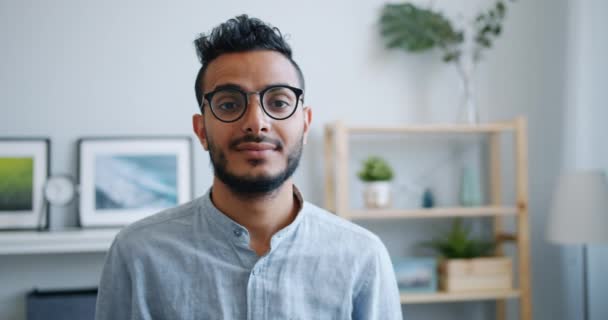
89, 148
39, 149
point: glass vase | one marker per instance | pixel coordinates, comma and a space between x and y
469, 112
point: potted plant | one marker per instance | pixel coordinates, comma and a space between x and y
468, 264
376, 173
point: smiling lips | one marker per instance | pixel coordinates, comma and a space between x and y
254, 149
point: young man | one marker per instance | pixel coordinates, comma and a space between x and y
250, 248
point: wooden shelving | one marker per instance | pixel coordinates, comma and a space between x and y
447, 212
336, 147
458, 297
48, 242
436, 128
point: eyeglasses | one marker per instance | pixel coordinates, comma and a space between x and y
228, 103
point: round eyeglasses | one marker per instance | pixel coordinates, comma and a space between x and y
228, 103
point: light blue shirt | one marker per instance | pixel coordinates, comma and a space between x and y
194, 262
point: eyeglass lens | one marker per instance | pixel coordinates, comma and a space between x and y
278, 102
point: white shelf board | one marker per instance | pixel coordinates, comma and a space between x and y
494, 127
459, 296
371, 214
64, 241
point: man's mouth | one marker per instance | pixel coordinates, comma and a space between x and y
256, 150
255, 146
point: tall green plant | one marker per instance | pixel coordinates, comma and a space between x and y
415, 29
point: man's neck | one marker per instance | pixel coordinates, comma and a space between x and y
262, 215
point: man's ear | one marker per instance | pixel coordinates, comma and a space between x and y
307, 120
198, 124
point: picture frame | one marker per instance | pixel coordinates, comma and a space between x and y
416, 274
125, 179
24, 169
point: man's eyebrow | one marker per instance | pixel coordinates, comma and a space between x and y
229, 86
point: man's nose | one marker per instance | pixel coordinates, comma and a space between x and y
255, 119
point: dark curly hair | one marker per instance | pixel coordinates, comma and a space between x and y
239, 34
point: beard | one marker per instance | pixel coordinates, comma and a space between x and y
253, 186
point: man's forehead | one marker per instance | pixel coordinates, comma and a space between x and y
251, 70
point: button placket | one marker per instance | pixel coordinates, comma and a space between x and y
259, 265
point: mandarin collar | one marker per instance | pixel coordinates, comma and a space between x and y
235, 232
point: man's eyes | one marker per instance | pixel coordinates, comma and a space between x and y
279, 104
228, 106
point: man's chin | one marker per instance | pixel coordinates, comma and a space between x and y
252, 185
255, 174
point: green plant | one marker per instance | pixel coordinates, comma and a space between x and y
375, 169
414, 29
458, 244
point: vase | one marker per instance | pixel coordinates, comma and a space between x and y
470, 190
469, 112
428, 199
377, 194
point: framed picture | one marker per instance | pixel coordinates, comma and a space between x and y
126, 179
416, 275
24, 169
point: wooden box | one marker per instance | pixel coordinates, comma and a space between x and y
494, 273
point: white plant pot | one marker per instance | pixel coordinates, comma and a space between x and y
377, 194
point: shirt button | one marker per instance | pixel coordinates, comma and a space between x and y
237, 232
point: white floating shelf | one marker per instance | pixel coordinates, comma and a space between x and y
436, 128
64, 241
371, 214
460, 296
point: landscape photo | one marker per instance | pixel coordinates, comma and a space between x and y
16, 184
416, 274
135, 182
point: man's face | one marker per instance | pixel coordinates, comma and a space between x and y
255, 154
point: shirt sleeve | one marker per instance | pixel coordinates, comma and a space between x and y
114, 295
378, 297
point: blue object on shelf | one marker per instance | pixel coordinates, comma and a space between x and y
415, 274
470, 190
61, 304
428, 199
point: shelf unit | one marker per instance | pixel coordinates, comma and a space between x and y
458, 297
336, 151
52, 242
363, 214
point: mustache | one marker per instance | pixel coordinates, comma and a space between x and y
256, 139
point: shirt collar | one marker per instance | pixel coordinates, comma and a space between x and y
234, 231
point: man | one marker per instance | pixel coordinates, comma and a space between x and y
250, 248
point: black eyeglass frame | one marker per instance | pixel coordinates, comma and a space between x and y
209, 96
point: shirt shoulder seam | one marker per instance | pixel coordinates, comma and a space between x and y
345, 224
176, 214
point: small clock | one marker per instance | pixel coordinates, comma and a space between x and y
59, 190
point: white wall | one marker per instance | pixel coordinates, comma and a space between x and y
79, 68
587, 130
